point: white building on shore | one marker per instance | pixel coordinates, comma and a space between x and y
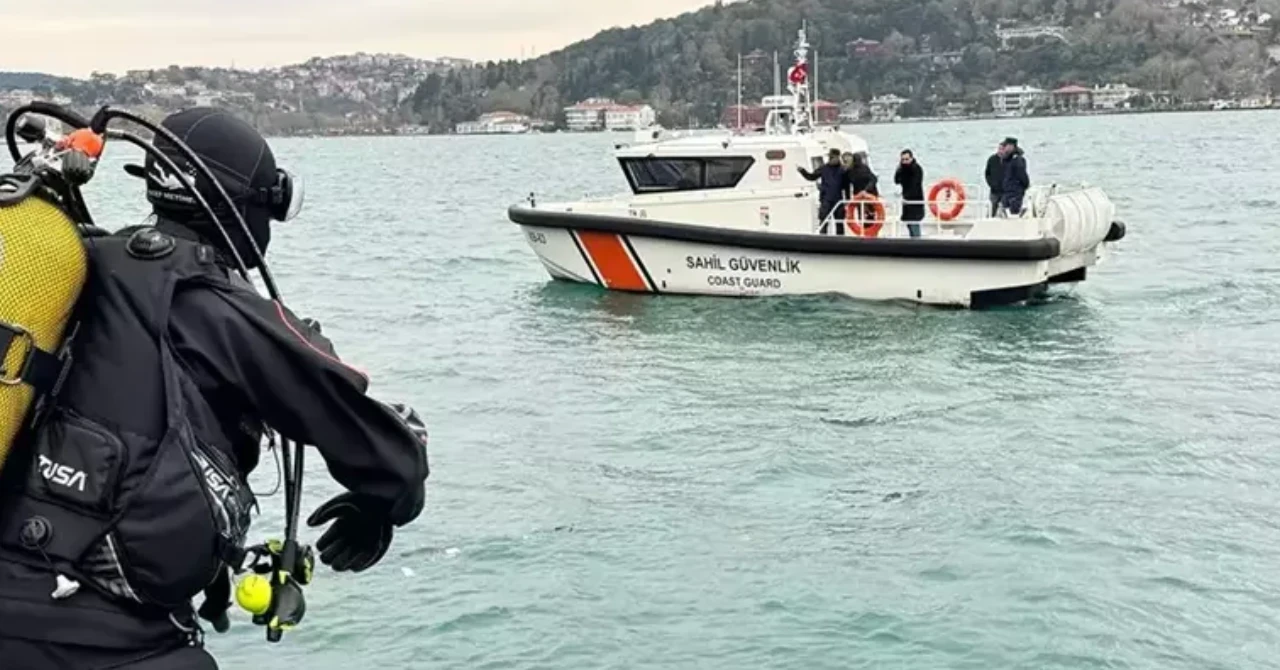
605, 114
1113, 96
885, 107
629, 117
1016, 100
587, 115
495, 123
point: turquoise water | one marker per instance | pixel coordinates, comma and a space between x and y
624, 481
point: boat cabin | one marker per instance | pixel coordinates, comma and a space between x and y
728, 162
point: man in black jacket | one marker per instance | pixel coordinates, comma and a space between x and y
1016, 181
995, 178
179, 365
832, 189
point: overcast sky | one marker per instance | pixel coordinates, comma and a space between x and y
76, 37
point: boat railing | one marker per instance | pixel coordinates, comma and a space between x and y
975, 207
659, 199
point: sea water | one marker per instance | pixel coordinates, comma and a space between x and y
635, 481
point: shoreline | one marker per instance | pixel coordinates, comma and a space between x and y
393, 132
1091, 113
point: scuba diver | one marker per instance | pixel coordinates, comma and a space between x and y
133, 498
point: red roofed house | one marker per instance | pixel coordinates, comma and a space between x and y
827, 113
1072, 97
588, 114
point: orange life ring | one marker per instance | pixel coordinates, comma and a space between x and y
853, 215
952, 186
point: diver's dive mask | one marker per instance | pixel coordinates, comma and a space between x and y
284, 198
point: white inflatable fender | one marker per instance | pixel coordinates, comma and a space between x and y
1079, 219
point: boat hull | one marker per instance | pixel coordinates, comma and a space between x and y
638, 263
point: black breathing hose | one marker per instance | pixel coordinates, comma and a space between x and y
38, 107
98, 125
292, 475
172, 167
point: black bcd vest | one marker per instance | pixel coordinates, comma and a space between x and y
117, 487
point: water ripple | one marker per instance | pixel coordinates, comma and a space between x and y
624, 481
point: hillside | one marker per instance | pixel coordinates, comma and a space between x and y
937, 54
348, 93
929, 51
28, 80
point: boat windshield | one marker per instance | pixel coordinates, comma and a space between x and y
653, 174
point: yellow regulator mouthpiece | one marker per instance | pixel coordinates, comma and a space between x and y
253, 594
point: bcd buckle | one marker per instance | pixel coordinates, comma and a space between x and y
9, 334
43, 371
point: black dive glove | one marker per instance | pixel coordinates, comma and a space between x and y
361, 533
359, 536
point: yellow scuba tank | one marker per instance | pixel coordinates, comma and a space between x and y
43, 266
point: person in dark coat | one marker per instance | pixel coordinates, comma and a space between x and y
832, 189
862, 180
1016, 182
910, 176
995, 178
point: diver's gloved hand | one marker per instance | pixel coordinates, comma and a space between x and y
360, 534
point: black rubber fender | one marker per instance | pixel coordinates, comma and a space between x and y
1116, 233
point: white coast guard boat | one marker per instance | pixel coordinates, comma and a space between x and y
730, 215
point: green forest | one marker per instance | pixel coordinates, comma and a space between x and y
931, 51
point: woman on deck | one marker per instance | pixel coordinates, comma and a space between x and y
862, 180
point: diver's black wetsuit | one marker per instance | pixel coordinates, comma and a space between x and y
252, 361
251, 354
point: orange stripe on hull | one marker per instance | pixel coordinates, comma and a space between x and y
614, 265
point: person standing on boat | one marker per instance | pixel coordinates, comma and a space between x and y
995, 178
863, 180
831, 190
1016, 182
910, 176
861, 177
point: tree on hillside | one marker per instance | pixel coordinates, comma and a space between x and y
686, 66
630, 97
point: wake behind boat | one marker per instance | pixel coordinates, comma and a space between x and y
730, 214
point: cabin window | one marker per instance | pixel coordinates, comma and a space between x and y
655, 175
775, 154
726, 172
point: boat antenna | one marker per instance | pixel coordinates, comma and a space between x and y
777, 75
813, 101
739, 128
798, 84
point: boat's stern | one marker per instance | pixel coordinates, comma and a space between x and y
1083, 221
